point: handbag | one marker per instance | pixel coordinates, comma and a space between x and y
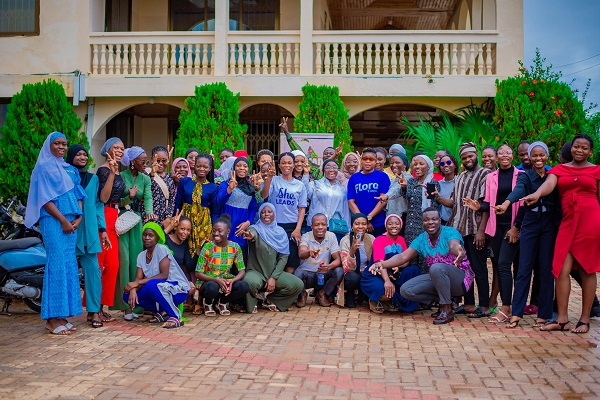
126, 221
338, 225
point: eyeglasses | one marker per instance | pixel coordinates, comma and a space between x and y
368, 158
505, 152
442, 163
331, 168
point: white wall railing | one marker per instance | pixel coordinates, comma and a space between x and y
262, 53
345, 53
404, 53
152, 53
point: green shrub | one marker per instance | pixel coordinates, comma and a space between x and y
535, 105
211, 121
322, 111
36, 111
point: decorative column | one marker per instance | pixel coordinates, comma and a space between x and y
306, 37
221, 51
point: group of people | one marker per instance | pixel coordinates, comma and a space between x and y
379, 228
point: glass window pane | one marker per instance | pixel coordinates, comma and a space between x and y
18, 16
253, 15
192, 15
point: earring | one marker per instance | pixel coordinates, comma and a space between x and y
132, 167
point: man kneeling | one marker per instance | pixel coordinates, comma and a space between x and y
449, 274
320, 263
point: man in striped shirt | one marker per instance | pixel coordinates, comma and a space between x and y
471, 225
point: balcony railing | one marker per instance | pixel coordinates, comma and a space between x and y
343, 53
152, 53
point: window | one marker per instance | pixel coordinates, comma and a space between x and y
19, 17
118, 16
253, 15
192, 15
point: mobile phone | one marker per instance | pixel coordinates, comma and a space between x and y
358, 236
430, 188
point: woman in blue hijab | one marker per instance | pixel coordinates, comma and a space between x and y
55, 201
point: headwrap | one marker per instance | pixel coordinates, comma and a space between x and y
243, 183
241, 153
191, 150
468, 147
187, 164
131, 154
356, 216
297, 153
108, 144
272, 234
404, 159
85, 176
537, 144
398, 147
327, 162
344, 170
156, 228
226, 167
393, 215
48, 180
425, 201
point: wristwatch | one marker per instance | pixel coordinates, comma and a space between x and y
369, 218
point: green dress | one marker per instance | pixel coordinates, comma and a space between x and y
130, 243
264, 263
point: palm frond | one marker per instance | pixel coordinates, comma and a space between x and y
448, 137
423, 134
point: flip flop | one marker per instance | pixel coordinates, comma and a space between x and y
562, 326
97, 323
580, 324
173, 323
478, 313
59, 330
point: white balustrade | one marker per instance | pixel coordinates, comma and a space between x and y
152, 53
404, 52
264, 53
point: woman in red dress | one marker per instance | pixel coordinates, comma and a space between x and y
578, 235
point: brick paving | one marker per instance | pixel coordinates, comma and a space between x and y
309, 353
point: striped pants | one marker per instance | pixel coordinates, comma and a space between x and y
156, 297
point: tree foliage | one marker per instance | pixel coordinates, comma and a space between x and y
536, 105
211, 121
322, 111
36, 111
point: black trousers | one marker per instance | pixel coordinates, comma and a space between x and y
210, 291
505, 253
478, 260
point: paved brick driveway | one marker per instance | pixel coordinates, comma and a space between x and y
313, 353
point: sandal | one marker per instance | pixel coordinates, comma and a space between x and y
197, 310
69, 325
209, 311
377, 308
562, 326
239, 308
223, 308
172, 323
390, 306
579, 325
539, 322
59, 330
497, 320
513, 323
106, 317
478, 313
157, 318
255, 310
267, 305
96, 323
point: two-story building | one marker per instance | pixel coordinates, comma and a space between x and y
130, 64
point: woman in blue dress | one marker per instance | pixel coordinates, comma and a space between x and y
237, 198
55, 200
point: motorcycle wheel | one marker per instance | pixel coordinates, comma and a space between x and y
35, 305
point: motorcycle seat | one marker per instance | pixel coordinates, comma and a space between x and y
19, 244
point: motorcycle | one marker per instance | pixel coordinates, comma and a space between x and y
12, 217
22, 263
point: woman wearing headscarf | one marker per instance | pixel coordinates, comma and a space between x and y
159, 284
414, 191
137, 195
236, 197
356, 250
383, 290
180, 169
91, 234
350, 166
162, 187
190, 156
397, 203
112, 188
269, 251
55, 200
224, 171
328, 196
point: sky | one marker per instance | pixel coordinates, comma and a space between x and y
567, 32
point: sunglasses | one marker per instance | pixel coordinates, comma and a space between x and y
505, 152
442, 163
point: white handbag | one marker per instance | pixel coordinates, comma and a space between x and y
126, 221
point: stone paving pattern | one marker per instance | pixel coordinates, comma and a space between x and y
309, 353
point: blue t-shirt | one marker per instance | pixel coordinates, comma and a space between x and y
287, 196
363, 188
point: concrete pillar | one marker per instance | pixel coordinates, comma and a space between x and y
221, 34
306, 37
510, 47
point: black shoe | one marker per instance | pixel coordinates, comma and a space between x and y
435, 314
444, 318
460, 310
595, 312
350, 301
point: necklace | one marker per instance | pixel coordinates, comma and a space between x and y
149, 256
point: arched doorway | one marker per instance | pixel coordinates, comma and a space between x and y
263, 127
145, 125
383, 126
